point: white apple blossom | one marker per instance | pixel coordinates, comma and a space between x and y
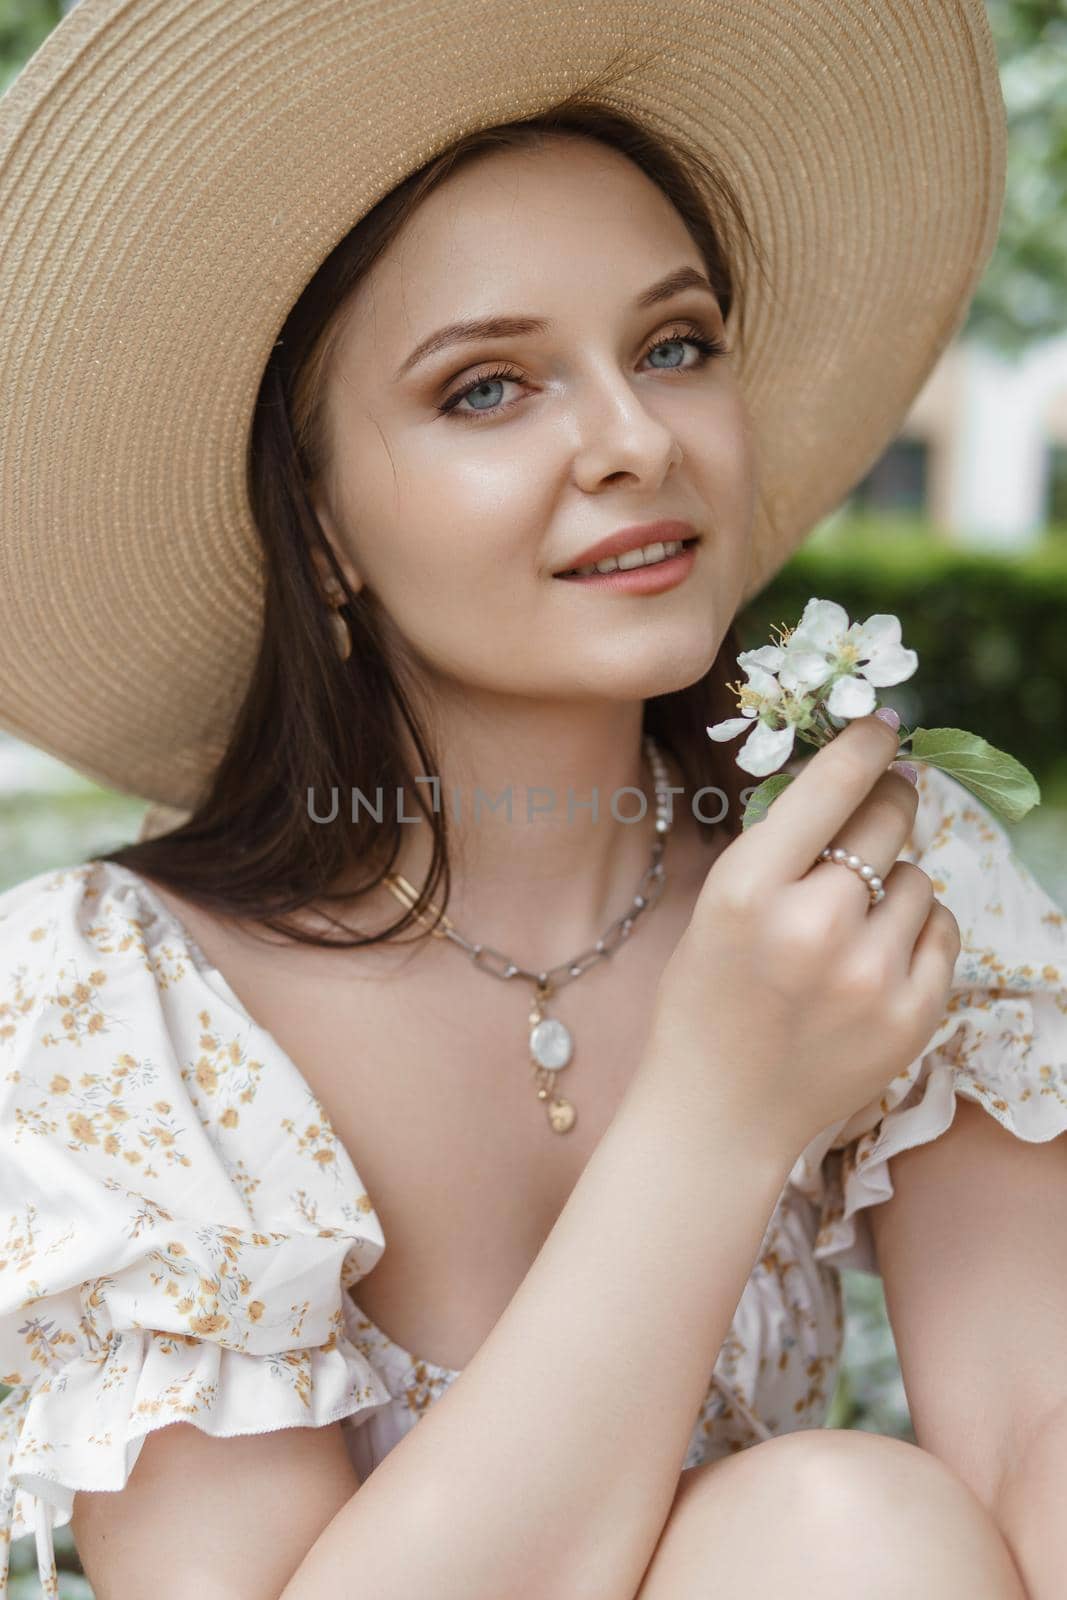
822, 673
769, 713
856, 659
786, 692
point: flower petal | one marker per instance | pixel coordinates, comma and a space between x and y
804, 669
851, 697
880, 629
891, 665
765, 684
730, 728
822, 624
765, 750
769, 656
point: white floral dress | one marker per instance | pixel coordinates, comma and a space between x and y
180, 1228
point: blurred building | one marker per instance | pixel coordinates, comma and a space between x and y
983, 451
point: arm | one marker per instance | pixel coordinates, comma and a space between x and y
1028, 1509
970, 1248
550, 1465
224, 1519
548, 1468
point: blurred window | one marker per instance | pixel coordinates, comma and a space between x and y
897, 481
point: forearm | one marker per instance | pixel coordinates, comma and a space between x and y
1028, 1509
549, 1467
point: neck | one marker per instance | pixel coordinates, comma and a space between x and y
543, 882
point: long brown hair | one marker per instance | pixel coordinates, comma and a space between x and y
310, 722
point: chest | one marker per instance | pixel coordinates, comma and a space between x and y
422, 1067
428, 1084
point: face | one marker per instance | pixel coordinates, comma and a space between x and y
464, 485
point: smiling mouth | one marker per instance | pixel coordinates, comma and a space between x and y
669, 548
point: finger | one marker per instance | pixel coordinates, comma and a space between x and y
877, 831
898, 920
821, 798
936, 951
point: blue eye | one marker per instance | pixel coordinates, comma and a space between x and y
706, 347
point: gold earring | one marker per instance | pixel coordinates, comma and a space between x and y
342, 637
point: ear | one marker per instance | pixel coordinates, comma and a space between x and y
318, 555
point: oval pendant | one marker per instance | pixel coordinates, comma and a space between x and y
562, 1115
551, 1044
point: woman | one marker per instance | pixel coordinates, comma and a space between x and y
206, 1030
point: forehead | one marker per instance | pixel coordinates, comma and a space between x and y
530, 230
563, 179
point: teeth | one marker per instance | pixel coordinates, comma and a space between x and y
647, 556
640, 558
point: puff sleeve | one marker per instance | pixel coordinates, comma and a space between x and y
169, 1251
1002, 1041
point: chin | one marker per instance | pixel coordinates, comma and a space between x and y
664, 671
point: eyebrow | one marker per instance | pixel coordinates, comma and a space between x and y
513, 327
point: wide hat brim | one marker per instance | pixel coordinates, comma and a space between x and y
172, 172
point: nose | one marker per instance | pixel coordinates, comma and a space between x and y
619, 434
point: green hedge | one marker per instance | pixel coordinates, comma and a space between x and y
990, 629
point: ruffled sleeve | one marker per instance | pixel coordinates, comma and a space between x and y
1002, 1041
175, 1245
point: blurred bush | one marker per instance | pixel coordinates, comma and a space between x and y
989, 629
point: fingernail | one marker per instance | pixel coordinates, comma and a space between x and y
887, 715
906, 770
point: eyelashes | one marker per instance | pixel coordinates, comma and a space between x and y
707, 347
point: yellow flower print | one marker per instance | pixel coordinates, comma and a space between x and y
81, 1015
21, 1003
317, 1141
82, 1131
209, 1324
223, 1070
206, 1076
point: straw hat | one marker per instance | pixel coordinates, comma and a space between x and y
173, 171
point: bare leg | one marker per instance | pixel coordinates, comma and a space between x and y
829, 1514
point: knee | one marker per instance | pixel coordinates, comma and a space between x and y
830, 1513
875, 1498
854, 1479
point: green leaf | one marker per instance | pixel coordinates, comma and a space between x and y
1002, 784
760, 800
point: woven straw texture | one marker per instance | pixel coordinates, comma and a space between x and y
172, 173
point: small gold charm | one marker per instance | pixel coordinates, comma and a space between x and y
561, 1114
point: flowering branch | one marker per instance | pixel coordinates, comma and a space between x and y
821, 674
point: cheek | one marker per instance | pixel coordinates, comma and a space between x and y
455, 570
493, 480
471, 522
725, 431
725, 452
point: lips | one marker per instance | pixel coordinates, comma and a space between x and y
633, 537
643, 579
686, 544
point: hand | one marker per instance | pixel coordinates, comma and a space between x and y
790, 1000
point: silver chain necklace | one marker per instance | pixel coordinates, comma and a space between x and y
551, 1042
